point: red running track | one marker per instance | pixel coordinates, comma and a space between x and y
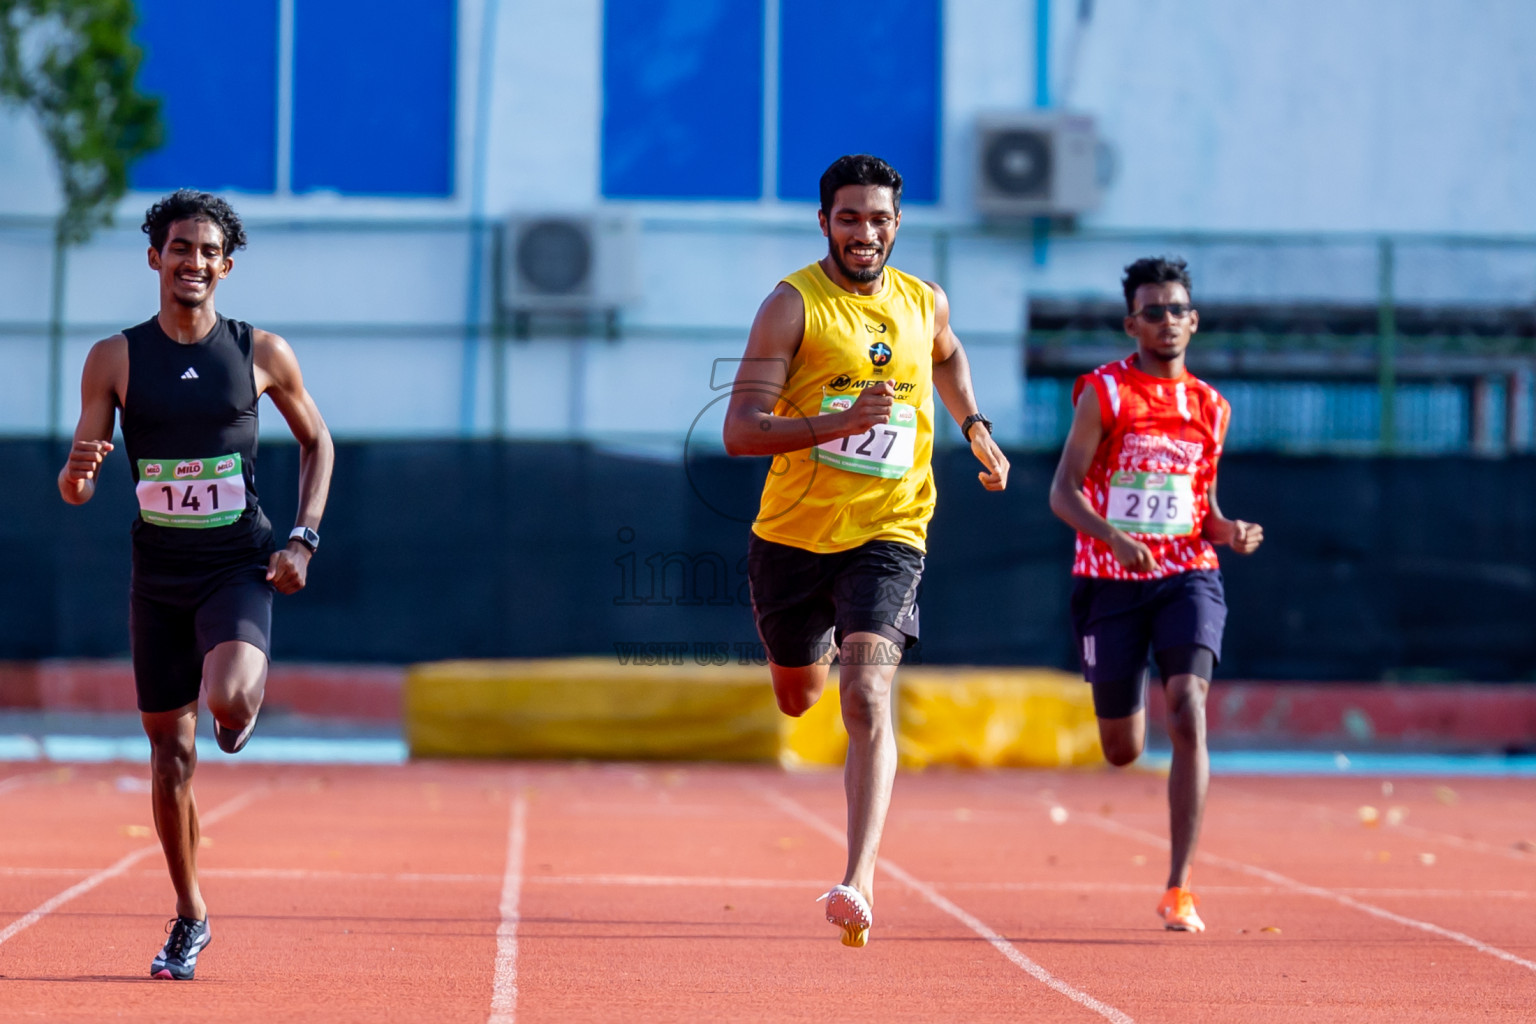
471, 892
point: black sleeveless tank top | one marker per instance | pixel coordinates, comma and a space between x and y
187, 404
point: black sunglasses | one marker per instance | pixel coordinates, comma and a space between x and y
1154, 314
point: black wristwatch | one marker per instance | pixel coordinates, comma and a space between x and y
970, 421
304, 535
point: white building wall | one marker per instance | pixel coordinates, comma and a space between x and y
1317, 115
1325, 116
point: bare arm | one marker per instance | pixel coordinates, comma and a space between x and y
1069, 502
101, 384
751, 428
278, 376
952, 380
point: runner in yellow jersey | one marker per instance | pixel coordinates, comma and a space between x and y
837, 385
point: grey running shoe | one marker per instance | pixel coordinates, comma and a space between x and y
178, 957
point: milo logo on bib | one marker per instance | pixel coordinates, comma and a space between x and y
200, 493
1152, 503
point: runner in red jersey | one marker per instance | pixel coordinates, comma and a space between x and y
1153, 468
1137, 480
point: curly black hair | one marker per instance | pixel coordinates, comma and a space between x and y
1153, 270
185, 204
858, 169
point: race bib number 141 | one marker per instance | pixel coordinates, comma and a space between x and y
191, 493
1160, 503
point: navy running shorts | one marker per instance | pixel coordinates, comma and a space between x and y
1118, 623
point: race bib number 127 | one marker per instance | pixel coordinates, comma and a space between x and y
1160, 503
884, 450
191, 493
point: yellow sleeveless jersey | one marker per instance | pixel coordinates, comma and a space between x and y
872, 486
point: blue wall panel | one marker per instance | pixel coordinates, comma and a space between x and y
373, 97
683, 99
216, 76
860, 78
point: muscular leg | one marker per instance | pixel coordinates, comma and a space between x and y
234, 678
796, 689
1191, 772
1123, 738
864, 681
172, 759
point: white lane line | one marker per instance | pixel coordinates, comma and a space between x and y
1513, 852
305, 875
44, 872
659, 809
504, 987
721, 882
681, 881
1333, 895
975, 924
1152, 888
15, 782
1156, 889
1475, 845
84, 886
1449, 894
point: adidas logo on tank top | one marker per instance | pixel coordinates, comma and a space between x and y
191, 374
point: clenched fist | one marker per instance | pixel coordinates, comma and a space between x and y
288, 568
872, 407
1240, 536
77, 478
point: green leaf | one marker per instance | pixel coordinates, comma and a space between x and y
73, 63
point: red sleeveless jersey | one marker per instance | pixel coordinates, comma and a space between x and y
1153, 471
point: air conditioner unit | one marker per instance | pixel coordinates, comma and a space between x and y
567, 263
1041, 163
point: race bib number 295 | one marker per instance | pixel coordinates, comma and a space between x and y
1158, 503
191, 493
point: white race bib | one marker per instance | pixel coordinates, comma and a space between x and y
884, 450
1160, 503
191, 493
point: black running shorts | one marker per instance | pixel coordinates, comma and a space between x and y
1179, 619
799, 597
176, 618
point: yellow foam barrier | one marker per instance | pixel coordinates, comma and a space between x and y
594, 708
590, 707
995, 718
817, 738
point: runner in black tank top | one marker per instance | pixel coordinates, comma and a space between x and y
205, 564
191, 402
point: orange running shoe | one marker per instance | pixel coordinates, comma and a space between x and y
1177, 910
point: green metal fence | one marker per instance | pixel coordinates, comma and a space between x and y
1389, 387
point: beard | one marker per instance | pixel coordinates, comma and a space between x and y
863, 275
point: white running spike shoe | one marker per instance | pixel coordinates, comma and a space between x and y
849, 910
